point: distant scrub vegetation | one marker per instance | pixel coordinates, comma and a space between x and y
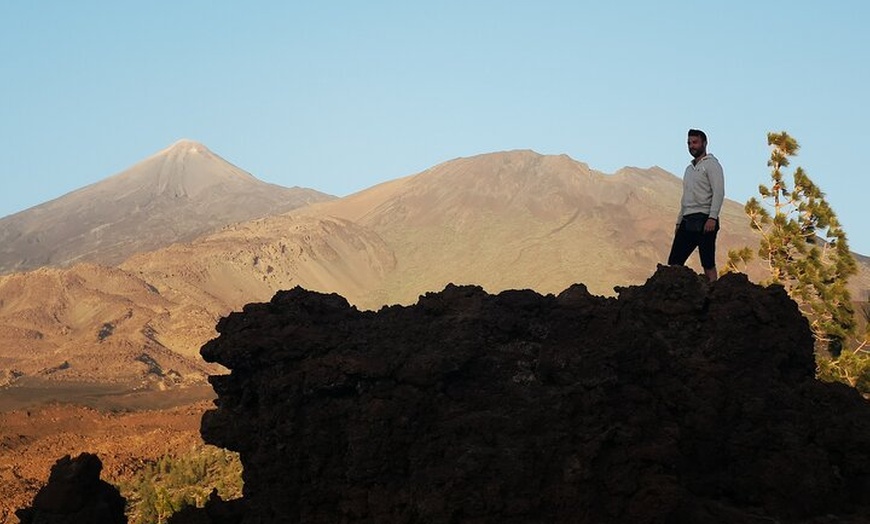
172, 482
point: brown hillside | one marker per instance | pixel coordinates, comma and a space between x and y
175, 195
144, 322
251, 261
523, 220
96, 323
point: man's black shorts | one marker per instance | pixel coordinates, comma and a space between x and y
685, 241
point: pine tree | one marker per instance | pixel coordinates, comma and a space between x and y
173, 482
804, 246
853, 365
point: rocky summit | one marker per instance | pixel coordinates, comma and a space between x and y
676, 401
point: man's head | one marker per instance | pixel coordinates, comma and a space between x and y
697, 143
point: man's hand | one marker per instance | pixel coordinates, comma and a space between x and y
710, 225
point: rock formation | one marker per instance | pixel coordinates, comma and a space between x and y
75, 495
678, 401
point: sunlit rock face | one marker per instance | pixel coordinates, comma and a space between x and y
677, 401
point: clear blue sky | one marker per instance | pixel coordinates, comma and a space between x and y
339, 96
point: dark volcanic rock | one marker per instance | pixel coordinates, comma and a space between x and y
676, 402
216, 511
76, 495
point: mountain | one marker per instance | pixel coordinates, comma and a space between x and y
503, 220
519, 219
510, 220
176, 195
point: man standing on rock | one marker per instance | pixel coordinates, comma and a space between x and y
698, 220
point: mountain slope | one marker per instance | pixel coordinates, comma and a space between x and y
175, 195
142, 323
251, 261
521, 219
92, 322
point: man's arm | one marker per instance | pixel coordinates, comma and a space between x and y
717, 184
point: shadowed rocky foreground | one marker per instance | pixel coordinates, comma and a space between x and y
677, 401
75, 494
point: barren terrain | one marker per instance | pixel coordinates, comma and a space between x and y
125, 429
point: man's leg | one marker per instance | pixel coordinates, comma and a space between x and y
707, 252
683, 245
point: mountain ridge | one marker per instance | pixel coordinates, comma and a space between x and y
177, 194
524, 203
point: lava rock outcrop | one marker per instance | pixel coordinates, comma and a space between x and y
75, 495
678, 401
